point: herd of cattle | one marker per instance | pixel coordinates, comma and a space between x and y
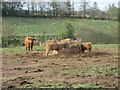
64, 46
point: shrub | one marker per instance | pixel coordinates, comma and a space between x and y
69, 33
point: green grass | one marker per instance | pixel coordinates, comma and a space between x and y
89, 85
61, 85
97, 31
21, 49
100, 70
39, 48
105, 46
45, 85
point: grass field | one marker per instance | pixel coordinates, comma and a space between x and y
97, 31
40, 48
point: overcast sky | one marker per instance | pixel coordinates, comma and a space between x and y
103, 3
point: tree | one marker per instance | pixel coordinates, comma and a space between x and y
28, 6
68, 6
49, 11
69, 33
113, 11
10, 8
41, 6
33, 6
65, 9
84, 4
55, 8
95, 10
72, 8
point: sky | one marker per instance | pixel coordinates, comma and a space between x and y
101, 3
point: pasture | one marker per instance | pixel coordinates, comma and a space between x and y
96, 31
24, 69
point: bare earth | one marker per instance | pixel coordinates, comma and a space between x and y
25, 68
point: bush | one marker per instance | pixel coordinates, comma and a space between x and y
69, 33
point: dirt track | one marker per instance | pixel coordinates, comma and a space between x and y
22, 68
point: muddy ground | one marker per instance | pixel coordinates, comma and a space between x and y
34, 69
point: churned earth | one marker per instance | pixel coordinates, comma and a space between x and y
34, 69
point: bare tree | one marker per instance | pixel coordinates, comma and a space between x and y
84, 6
95, 10
72, 8
33, 3
68, 7
113, 11
41, 7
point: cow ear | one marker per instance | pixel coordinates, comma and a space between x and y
28, 38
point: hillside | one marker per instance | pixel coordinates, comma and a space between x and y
96, 31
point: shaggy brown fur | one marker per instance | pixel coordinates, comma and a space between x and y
86, 46
55, 46
29, 43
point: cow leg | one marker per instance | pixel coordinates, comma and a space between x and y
83, 51
89, 52
26, 48
31, 48
90, 48
47, 52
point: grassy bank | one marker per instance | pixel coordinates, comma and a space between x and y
96, 31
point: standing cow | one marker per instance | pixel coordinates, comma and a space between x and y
29, 43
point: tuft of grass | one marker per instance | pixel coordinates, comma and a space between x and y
89, 85
94, 70
61, 85
45, 85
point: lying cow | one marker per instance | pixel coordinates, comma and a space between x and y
86, 46
65, 45
55, 46
74, 48
29, 43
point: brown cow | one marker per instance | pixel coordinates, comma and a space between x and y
86, 46
63, 45
51, 46
29, 43
74, 48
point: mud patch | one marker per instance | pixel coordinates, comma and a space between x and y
29, 68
